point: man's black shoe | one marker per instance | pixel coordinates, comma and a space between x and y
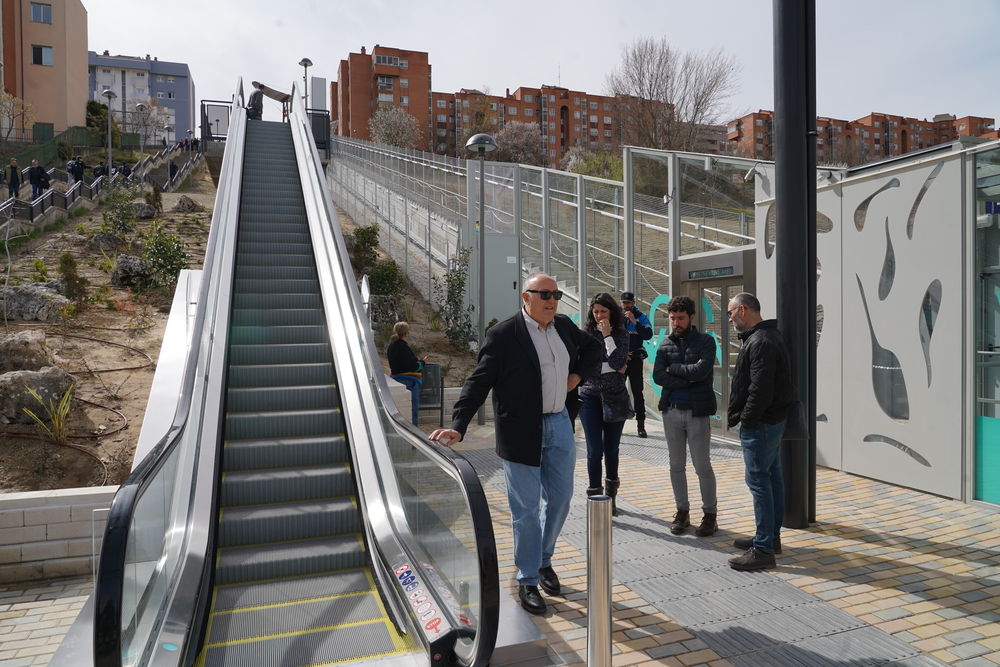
747, 542
642, 432
548, 581
753, 560
531, 600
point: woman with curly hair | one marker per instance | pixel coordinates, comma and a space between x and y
604, 322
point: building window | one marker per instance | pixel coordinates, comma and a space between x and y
384, 82
404, 100
593, 131
465, 104
404, 64
387, 60
760, 122
493, 106
141, 75
528, 112
465, 118
878, 123
41, 13
576, 128
552, 126
451, 119
760, 135
442, 132
442, 118
607, 106
41, 55
607, 120
552, 138
593, 118
160, 95
105, 71
529, 99
171, 95
442, 104
159, 79
511, 111
404, 83
607, 133
385, 97
593, 105
576, 101
576, 142
576, 115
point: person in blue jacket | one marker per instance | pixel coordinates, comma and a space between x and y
639, 331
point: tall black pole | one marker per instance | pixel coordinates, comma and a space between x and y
795, 232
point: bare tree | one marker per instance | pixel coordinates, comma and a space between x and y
395, 127
520, 143
16, 118
145, 122
845, 152
483, 116
604, 164
667, 98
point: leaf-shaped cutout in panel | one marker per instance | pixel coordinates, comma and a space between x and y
824, 224
820, 317
769, 223
909, 451
819, 269
928, 316
888, 275
861, 212
887, 374
822, 418
920, 197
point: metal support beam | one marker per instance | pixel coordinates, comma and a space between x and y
629, 220
581, 244
795, 232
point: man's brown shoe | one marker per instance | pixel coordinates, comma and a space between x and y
681, 522
753, 560
708, 526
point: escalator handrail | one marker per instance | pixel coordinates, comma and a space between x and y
110, 575
455, 465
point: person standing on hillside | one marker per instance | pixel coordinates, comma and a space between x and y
12, 177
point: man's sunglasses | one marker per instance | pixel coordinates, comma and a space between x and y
546, 294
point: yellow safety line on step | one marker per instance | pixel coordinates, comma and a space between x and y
291, 603
397, 639
296, 633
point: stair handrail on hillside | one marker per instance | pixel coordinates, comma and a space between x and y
16, 213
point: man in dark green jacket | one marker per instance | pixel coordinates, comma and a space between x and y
683, 367
762, 395
12, 176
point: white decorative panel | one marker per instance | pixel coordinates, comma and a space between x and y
902, 281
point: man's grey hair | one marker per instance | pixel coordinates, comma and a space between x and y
748, 301
533, 276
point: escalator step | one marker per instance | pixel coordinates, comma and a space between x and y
280, 377
265, 301
289, 559
281, 248
258, 594
274, 218
259, 425
246, 455
377, 639
282, 317
280, 398
274, 237
295, 226
275, 286
257, 211
277, 335
277, 259
285, 485
279, 354
281, 522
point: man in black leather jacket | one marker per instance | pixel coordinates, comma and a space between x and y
761, 396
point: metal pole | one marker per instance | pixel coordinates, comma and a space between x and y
430, 259
629, 239
581, 244
795, 230
482, 263
599, 581
109, 138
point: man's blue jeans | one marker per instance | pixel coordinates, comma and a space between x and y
539, 498
761, 454
413, 384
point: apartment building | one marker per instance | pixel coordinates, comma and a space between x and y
872, 137
44, 53
385, 77
135, 79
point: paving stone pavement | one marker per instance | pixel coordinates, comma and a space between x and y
887, 576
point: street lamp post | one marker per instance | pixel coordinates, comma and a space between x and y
110, 95
140, 109
483, 144
306, 64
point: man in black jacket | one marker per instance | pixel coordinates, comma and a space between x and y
761, 396
683, 368
533, 362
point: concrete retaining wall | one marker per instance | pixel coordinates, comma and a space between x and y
46, 534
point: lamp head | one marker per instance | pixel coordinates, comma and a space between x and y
305, 62
140, 107
481, 142
110, 94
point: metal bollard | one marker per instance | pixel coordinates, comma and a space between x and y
599, 581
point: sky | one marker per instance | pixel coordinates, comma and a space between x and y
916, 58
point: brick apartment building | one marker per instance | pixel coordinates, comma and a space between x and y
386, 77
872, 137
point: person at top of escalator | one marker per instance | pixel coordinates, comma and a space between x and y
404, 366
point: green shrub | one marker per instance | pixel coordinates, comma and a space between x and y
155, 199
387, 279
81, 229
74, 285
450, 292
119, 215
40, 269
164, 255
365, 247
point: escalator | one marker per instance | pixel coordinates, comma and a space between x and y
291, 516
291, 575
